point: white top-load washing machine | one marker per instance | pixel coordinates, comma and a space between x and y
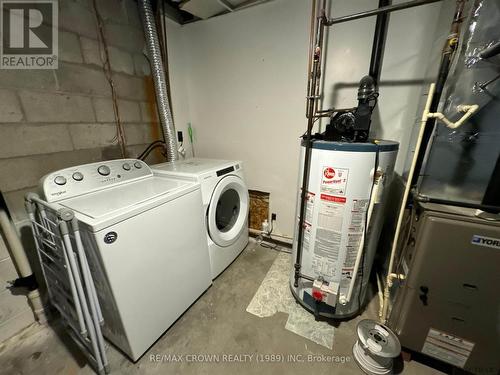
145, 243
225, 204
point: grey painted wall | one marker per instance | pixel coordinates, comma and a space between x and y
245, 74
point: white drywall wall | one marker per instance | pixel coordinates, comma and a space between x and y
245, 75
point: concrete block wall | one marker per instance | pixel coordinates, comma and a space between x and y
52, 119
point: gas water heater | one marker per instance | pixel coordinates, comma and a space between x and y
347, 187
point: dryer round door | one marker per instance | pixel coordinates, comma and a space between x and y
228, 211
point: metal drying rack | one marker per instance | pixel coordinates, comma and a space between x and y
68, 278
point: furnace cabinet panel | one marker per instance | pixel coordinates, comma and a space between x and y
451, 264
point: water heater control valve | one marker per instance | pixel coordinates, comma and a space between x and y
326, 292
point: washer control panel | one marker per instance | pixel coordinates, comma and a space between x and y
74, 181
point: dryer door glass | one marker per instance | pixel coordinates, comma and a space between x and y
228, 211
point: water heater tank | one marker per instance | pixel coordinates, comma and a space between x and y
341, 181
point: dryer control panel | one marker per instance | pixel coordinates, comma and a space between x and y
82, 179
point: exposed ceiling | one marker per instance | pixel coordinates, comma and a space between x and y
186, 11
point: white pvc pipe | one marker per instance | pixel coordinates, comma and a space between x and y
18, 255
390, 274
468, 112
380, 292
22, 264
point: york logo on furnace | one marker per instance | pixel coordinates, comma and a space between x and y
29, 34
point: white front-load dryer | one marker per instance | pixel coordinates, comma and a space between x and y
225, 205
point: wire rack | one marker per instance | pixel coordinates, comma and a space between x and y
67, 274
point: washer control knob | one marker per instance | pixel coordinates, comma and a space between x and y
138, 165
77, 176
60, 180
104, 170
126, 166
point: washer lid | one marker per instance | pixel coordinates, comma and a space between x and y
228, 211
108, 201
378, 339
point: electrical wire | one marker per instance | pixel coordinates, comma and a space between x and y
260, 239
151, 147
275, 247
106, 65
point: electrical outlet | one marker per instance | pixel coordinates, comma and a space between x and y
273, 216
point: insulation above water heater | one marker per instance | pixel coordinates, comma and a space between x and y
341, 181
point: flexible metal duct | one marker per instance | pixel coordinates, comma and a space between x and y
158, 73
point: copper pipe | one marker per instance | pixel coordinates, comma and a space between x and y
375, 12
311, 102
311, 48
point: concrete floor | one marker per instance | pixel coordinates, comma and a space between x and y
216, 324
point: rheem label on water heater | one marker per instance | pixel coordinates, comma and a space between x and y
334, 180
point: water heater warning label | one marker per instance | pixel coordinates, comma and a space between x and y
309, 207
334, 180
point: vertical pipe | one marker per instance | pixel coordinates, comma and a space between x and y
158, 73
22, 264
312, 98
402, 207
379, 42
444, 67
310, 53
373, 198
18, 254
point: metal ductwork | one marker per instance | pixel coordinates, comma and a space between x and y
158, 73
